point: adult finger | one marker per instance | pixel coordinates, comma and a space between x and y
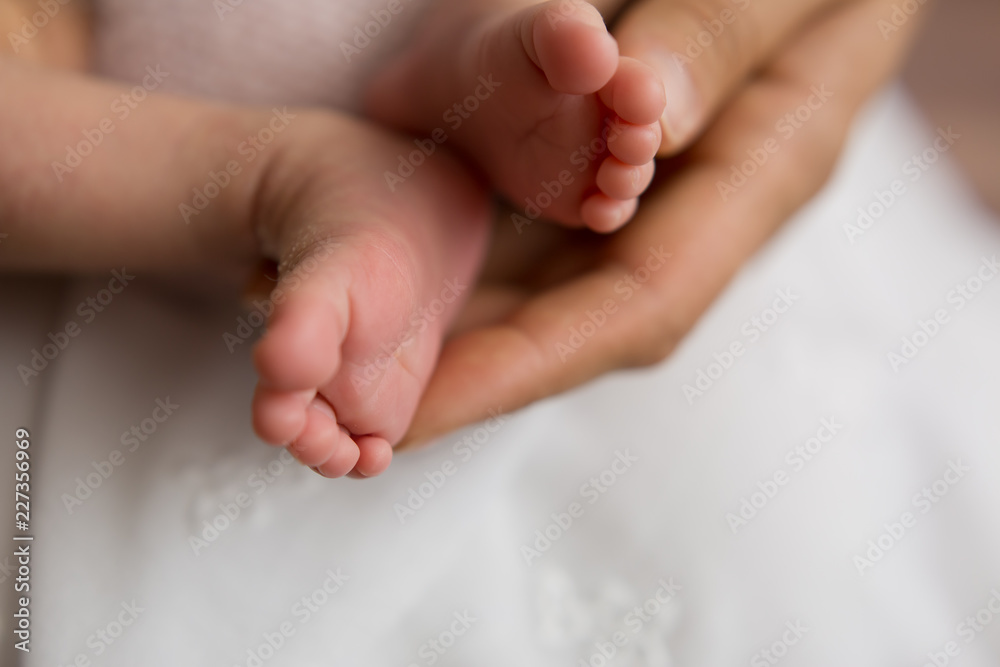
704, 49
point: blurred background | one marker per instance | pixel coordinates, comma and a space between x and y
954, 74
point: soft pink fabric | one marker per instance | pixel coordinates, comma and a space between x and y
254, 51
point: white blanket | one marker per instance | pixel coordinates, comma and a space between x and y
816, 503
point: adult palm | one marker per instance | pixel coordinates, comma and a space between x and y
556, 308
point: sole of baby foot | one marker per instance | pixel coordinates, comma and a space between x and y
371, 276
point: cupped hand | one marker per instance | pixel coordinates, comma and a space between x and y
556, 308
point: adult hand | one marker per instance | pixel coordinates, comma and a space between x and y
765, 59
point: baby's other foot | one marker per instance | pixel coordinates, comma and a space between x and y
562, 125
370, 278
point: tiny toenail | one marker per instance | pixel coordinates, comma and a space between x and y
320, 473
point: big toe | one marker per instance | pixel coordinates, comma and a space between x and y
570, 43
301, 349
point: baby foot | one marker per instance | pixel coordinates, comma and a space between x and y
560, 123
370, 279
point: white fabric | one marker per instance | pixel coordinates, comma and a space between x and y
665, 518
301, 52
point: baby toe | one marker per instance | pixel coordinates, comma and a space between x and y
343, 457
573, 47
375, 457
301, 349
623, 181
279, 417
320, 438
603, 214
635, 144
